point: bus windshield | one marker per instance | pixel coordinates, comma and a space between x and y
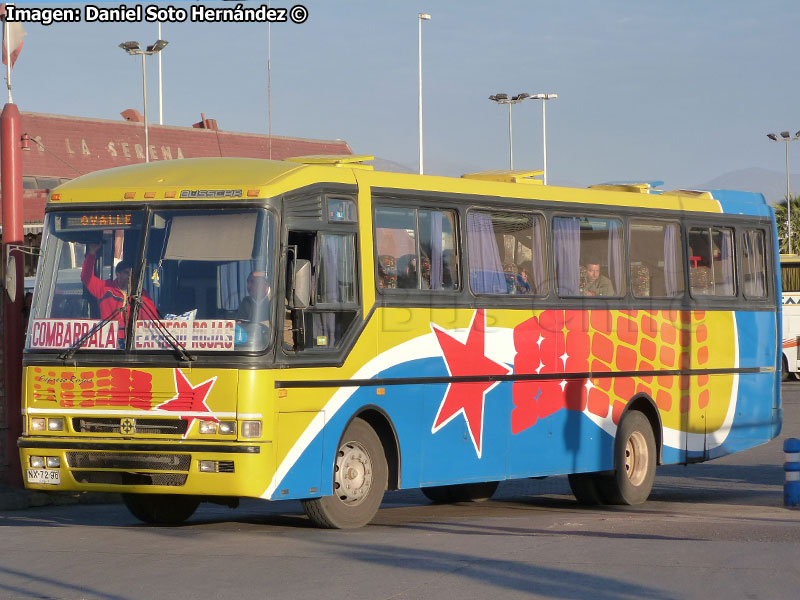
204, 281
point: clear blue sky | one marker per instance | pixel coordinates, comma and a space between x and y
680, 90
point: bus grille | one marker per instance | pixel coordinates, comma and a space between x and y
124, 461
146, 426
225, 466
120, 478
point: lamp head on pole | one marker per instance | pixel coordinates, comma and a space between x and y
130, 47
158, 46
424, 17
773, 137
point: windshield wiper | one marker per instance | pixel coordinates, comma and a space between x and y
154, 318
97, 327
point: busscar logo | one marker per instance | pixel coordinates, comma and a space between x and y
211, 193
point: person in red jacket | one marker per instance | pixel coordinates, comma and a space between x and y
111, 294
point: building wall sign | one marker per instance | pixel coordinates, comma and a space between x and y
121, 148
66, 147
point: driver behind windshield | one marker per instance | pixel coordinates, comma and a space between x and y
255, 307
113, 294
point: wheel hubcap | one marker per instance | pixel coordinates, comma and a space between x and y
352, 473
636, 458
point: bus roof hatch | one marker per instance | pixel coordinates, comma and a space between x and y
337, 160
507, 176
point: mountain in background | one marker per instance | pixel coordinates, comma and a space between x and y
770, 183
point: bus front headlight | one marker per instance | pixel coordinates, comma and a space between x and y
208, 427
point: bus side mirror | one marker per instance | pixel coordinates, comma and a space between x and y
301, 294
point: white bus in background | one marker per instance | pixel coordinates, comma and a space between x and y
790, 284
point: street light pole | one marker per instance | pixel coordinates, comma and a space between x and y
144, 96
786, 138
544, 98
504, 99
160, 85
134, 49
420, 18
510, 140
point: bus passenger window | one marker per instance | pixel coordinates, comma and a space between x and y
506, 253
655, 257
711, 261
415, 249
754, 277
589, 255
790, 277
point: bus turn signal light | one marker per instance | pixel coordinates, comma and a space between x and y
251, 429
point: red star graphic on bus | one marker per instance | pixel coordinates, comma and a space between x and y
190, 399
467, 398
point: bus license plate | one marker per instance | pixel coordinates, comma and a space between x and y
46, 476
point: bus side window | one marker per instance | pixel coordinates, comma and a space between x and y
754, 277
711, 261
334, 291
589, 256
655, 257
415, 249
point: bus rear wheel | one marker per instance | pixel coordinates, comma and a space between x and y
634, 462
462, 492
360, 475
786, 374
161, 509
586, 488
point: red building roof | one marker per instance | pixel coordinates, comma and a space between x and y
63, 147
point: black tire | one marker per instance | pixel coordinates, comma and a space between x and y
586, 488
634, 462
360, 475
463, 492
786, 375
161, 509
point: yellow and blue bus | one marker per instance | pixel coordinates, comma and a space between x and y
313, 329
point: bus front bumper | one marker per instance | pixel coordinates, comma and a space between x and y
147, 466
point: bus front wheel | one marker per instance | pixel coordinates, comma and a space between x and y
634, 462
360, 475
161, 509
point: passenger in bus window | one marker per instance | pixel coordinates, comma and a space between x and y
407, 277
525, 277
255, 307
113, 294
597, 284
